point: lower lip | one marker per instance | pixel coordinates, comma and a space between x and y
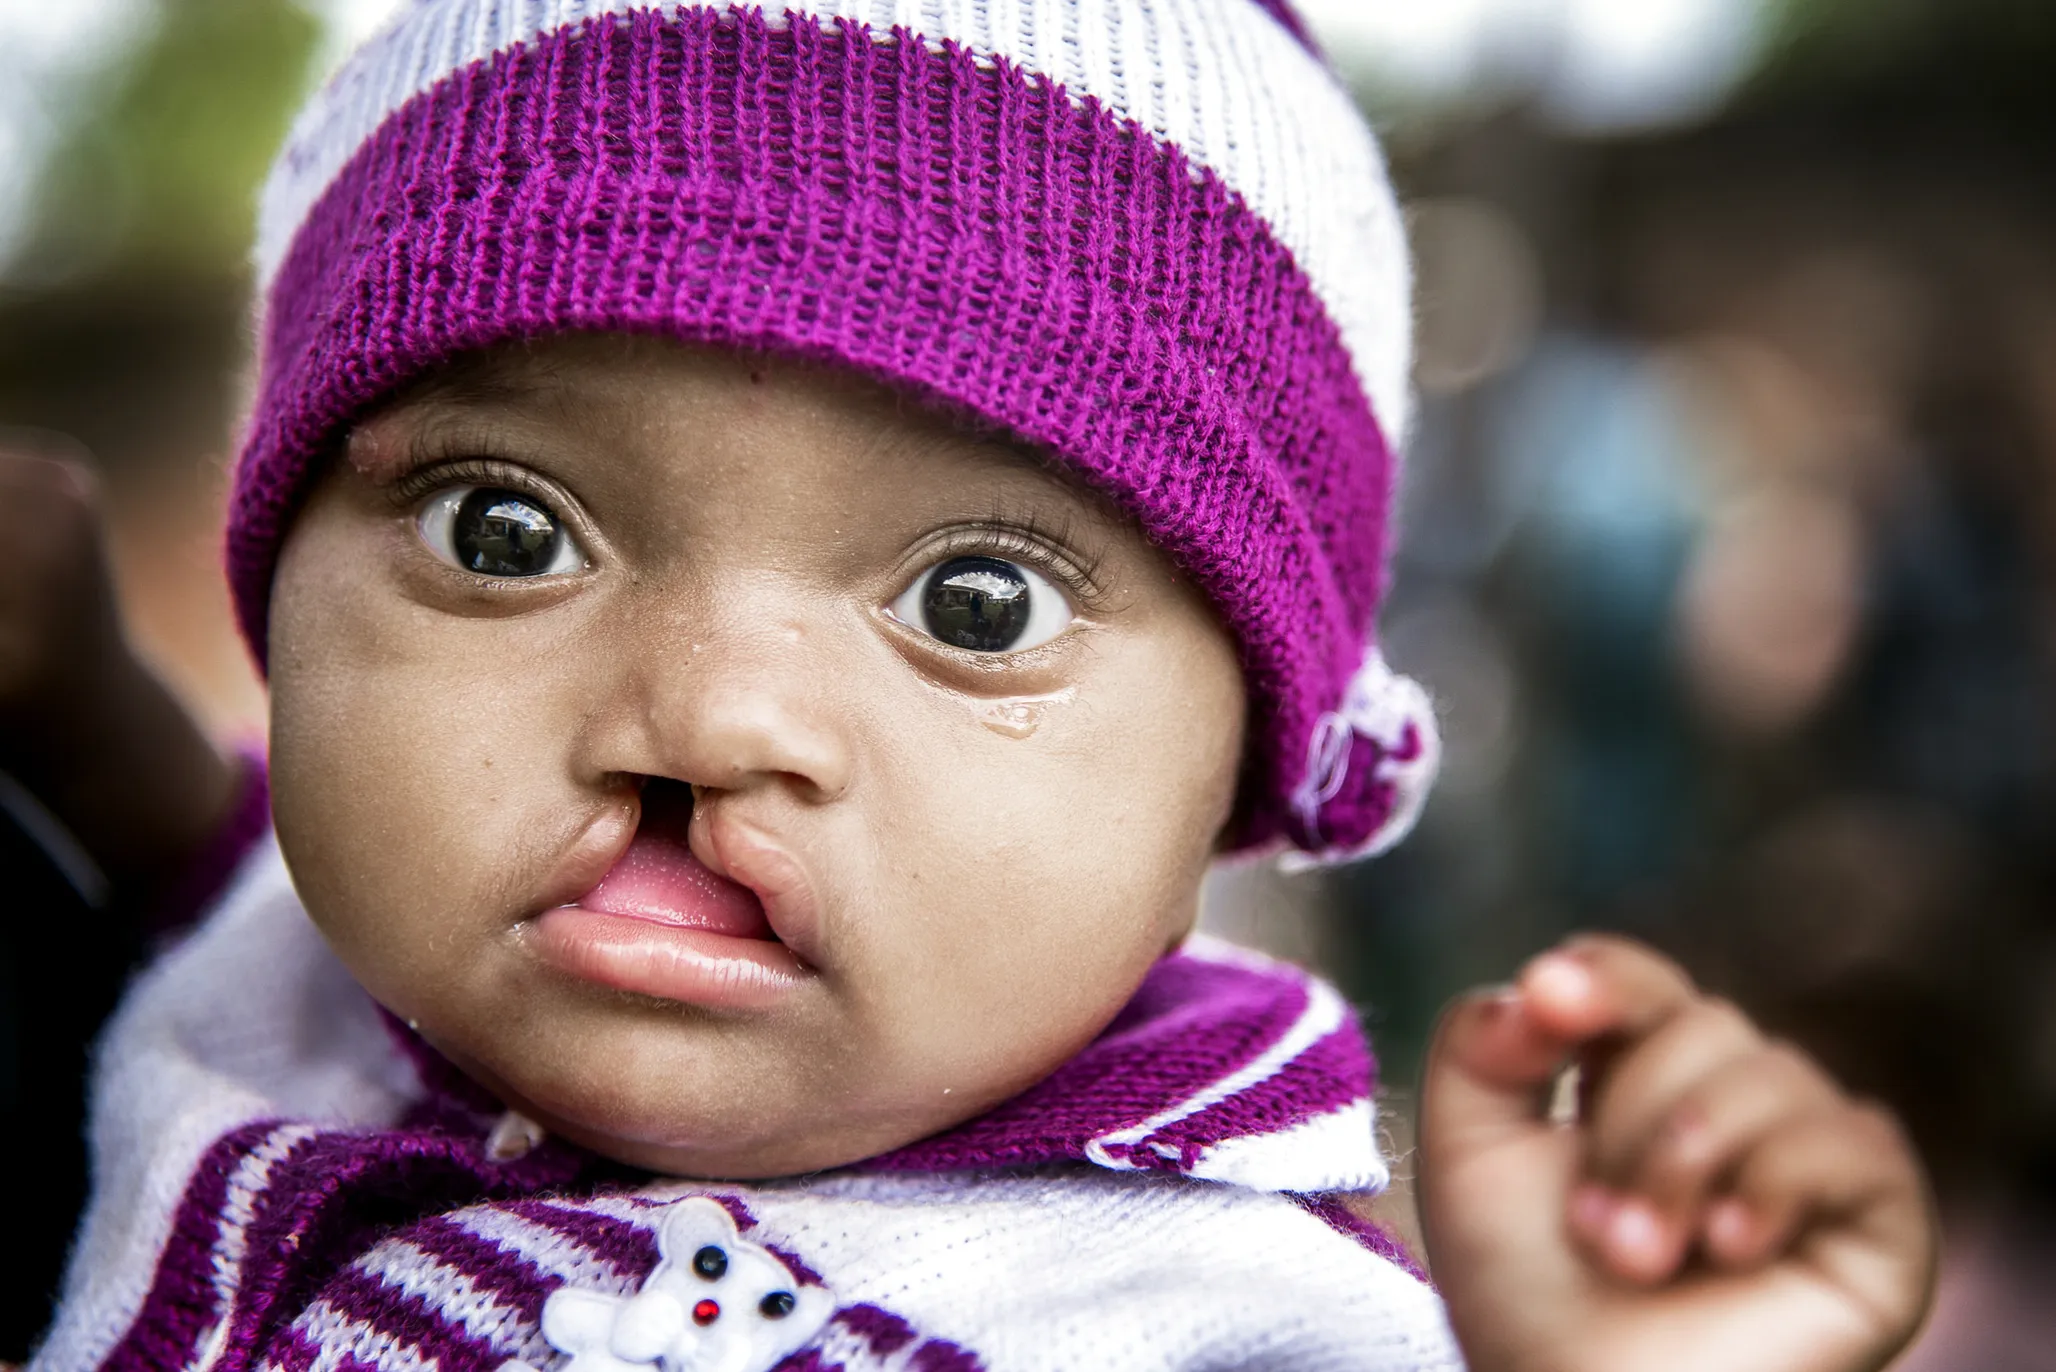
692, 966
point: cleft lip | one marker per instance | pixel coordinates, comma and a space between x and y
750, 856
728, 845
593, 851
659, 878
638, 909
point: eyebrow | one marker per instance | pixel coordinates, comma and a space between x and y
457, 396
478, 381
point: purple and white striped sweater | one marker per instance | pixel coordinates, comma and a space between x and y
286, 1180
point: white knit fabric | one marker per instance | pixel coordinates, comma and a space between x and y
1174, 1276
1219, 79
177, 1070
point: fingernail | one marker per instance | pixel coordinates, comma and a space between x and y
1634, 1234
1559, 976
1591, 1208
1502, 1001
1728, 1229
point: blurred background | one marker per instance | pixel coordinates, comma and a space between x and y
1731, 514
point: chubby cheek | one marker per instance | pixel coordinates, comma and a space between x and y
412, 790
1035, 879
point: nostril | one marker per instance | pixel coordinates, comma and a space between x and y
666, 808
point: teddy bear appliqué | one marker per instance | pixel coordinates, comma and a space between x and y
714, 1303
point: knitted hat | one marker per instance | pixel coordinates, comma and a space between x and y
1152, 238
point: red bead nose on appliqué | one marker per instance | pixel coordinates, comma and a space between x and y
706, 1312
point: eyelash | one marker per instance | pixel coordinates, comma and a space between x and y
412, 486
1022, 539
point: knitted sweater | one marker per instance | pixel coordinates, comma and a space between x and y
286, 1179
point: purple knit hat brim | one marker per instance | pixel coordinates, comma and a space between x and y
954, 228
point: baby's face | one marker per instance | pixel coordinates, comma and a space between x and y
738, 770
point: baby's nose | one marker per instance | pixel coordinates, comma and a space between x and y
764, 707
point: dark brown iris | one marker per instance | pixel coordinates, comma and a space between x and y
979, 603
502, 533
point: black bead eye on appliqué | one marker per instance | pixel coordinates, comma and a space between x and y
710, 1262
777, 1305
984, 605
498, 533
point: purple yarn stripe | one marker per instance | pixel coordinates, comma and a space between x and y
299, 1353
408, 1319
884, 1332
810, 1360
733, 1204
326, 1202
1282, 11
516, 1281
1192, 1023
963, 232
181, 1304
628, 1248
310, 1229
294, 1353
1369, 1233
938, 1356
737, 1211
746, 1222
1330, 1074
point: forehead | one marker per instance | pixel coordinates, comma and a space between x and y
623, 386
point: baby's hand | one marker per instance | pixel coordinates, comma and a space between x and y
1717, 1204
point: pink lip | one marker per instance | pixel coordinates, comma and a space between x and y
663, 923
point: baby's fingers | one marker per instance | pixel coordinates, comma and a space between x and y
1643, 1213
1599, 986
1496, 1053
1839, 1189
1489, 1068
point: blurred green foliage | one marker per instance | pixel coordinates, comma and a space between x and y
1911, 56
156, 175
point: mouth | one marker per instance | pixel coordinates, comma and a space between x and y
662, 923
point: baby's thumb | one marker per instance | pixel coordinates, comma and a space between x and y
1489, 1075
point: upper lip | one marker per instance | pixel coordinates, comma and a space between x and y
744, 853
730, 847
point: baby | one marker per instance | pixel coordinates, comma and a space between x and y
784, 545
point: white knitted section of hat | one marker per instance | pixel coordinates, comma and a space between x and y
1221, 80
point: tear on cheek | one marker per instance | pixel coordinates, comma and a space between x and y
1020, 716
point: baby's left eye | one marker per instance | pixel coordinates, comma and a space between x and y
497, 532
985, 605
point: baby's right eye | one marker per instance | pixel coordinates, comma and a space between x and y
498, 532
